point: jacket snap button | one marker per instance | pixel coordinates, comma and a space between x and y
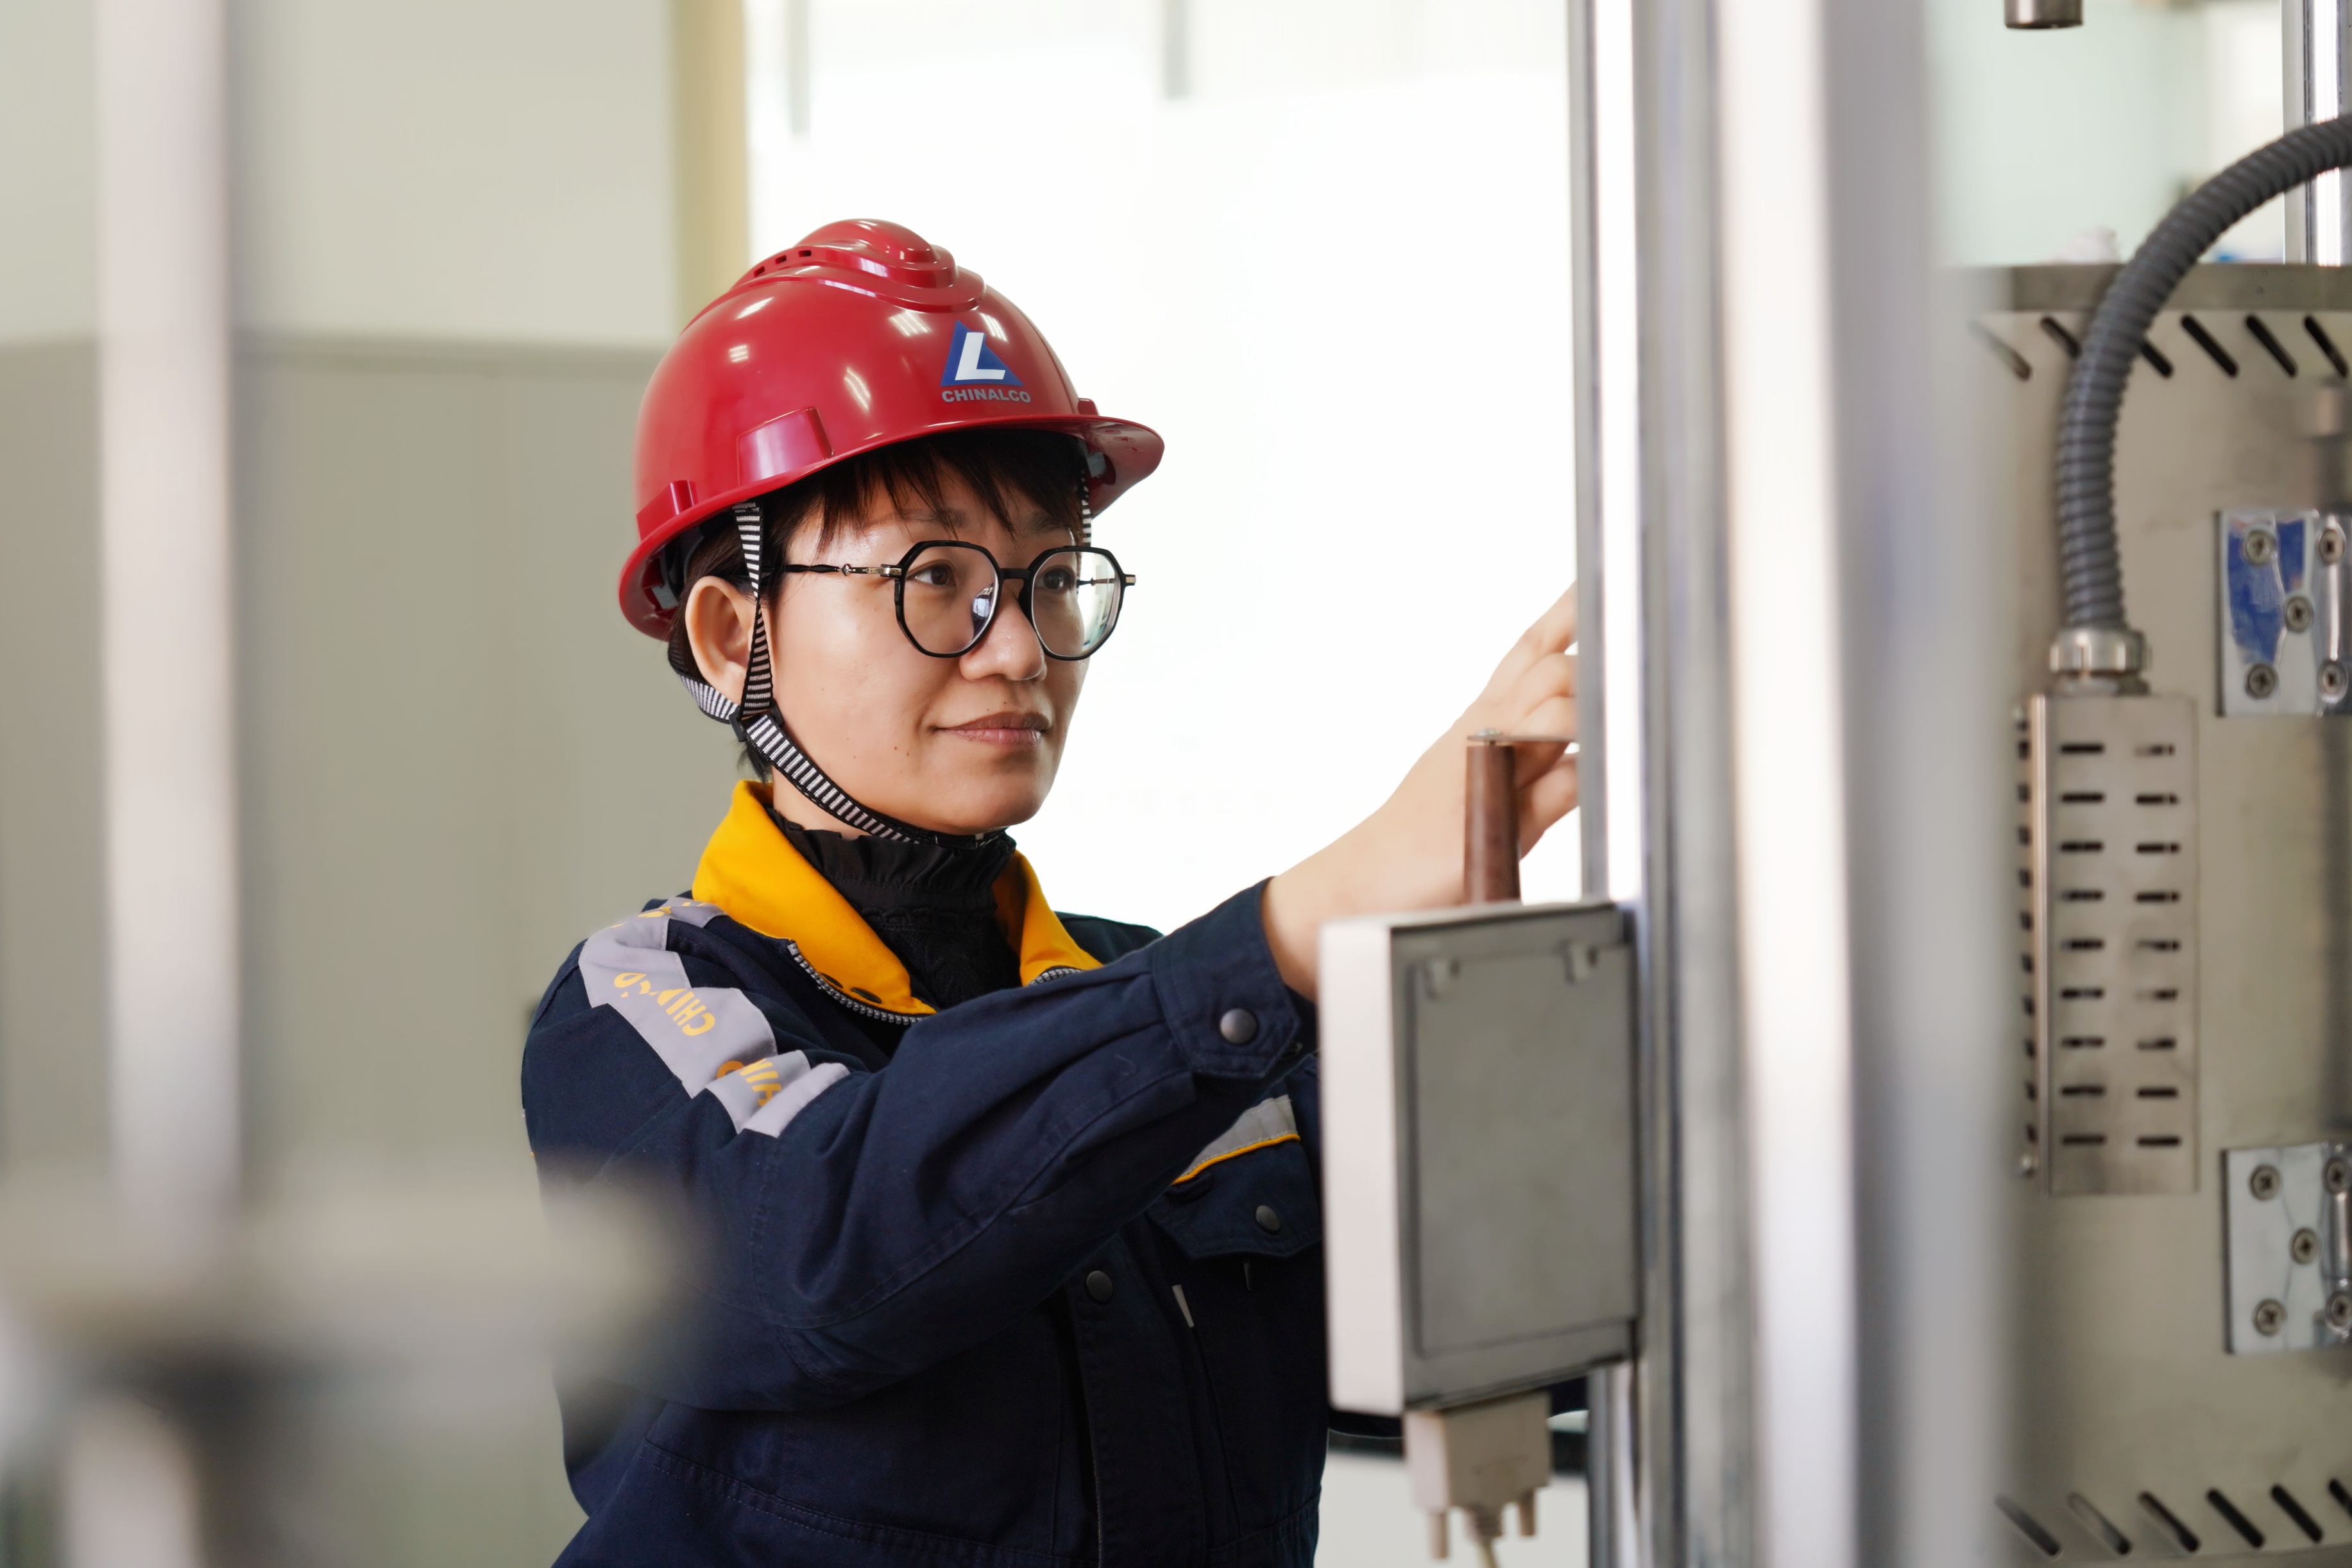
1267, 1220
1098, 1285
1238, 1026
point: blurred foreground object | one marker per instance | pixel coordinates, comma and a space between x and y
181, 1375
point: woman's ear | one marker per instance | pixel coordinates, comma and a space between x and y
718, 629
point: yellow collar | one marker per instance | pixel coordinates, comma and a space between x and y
750, 870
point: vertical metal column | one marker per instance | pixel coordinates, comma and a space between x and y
1782, 517
166, 588
2318, 63
1672, 1435
1609, 587
1693, 1403
1927, 621
1815, 828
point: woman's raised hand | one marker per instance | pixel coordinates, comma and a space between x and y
1408, 854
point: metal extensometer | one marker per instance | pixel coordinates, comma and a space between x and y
1479, 1179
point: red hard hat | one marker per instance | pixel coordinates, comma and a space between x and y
860, 335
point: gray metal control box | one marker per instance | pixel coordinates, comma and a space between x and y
1478, 1159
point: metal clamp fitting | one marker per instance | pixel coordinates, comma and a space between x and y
2040, 14
2097, 650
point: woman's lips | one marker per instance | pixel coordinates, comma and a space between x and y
1007, 728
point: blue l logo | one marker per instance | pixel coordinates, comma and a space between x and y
971, 363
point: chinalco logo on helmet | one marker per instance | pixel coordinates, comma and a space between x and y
975, 374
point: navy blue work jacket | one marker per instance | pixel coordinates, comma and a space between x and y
1037, 1280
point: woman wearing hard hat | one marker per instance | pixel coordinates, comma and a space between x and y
1011, 1221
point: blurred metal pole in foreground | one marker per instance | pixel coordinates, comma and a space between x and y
1782, 515
1794, 662
131, 1493
170, 724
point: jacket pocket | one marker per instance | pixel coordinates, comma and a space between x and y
1261, 1203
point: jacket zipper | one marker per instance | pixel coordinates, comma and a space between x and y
879, 1015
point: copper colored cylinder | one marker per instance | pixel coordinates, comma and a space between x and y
1490, 845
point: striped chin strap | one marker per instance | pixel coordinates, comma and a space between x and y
758, 724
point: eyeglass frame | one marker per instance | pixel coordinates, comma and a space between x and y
1027, 574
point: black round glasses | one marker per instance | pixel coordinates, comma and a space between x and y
949, 594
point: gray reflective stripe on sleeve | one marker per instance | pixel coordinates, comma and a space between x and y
765, 1095
799, 1089
712, 1039
1267, 1121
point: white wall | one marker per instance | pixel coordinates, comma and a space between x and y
435, 169
451, 169
1335, 278
2043, 136
48, 206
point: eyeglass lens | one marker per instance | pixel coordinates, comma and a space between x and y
948, 594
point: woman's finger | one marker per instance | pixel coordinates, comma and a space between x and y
1543, 803
1548, 680
1552, 633
1555, 629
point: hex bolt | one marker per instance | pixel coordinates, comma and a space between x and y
2263, 1183
2262, 680
2337, 1174
2339, 1311
2298, 614
2331, 545
2269, 1317
2333, 681
2260, 546
2304, 1247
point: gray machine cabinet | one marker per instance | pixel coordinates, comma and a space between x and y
2141, 1425
1478, 1161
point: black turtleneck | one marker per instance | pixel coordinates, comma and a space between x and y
935, 909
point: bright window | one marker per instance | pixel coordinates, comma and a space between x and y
1322, 246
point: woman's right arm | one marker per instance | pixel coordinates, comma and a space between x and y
894, 1219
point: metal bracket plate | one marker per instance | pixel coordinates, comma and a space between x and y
2290, 1230
2285, 646
2110, 873
1480, 1204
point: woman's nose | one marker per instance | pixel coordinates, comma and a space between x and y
1011, 650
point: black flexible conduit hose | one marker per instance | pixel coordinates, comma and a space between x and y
2088, 571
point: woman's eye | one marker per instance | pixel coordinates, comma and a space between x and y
936, 576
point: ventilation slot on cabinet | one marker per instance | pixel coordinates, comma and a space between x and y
2110, 876
2182, 1536
2326, 345
2028, 1526
2014, 362
2236, 1521
2098, 1524
2261, 332
2213, 351
2343, 1498
2294, 1510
